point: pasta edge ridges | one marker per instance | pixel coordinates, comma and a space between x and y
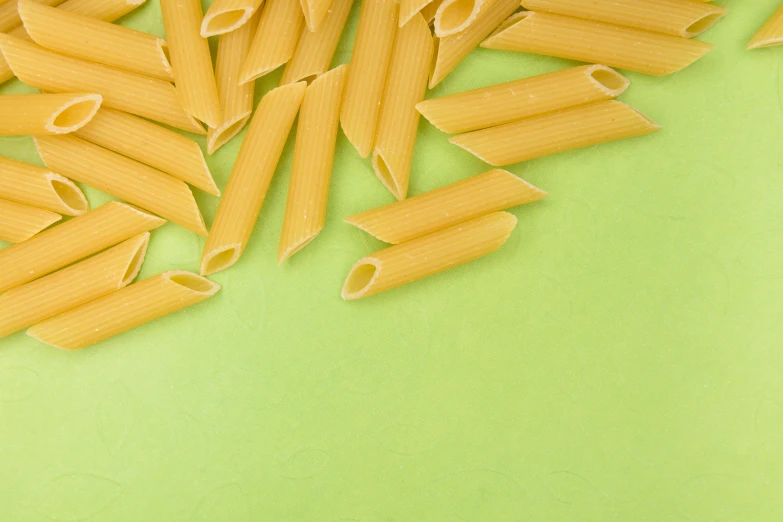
96, 100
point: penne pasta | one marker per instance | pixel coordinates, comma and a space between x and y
452, 49
426, 213
427, 255
123, 178
151, 144
506, 102
236, 99
41, 188
430, 10
73, 286
399, 119
191, 61
123, 310
275, 40
41, 114
454, 16
596, 42
311, 171
770, 34
250, 178
94, 40
367, 74
409, 8
675, 17
9, 14
225, 16
122, 90
314, 12
19, 222
315, 49
555, 132
71, 241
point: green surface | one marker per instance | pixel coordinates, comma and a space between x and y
619, 359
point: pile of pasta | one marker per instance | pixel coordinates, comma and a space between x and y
114, 103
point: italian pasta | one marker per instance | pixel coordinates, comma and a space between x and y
41, 114
9, 14
40, 187
408, 8
454, 16
275, 40
429, 11
20, 222
225, 16
771, 33
314, 12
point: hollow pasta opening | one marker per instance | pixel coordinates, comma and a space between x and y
75, 115
359, 278
70, 195
220, 261
455, 14
385, 174
192, 282
702, 24
609, 79
135, 264
224, 135
225, 21
167, 55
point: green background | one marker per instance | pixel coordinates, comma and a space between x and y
619, 359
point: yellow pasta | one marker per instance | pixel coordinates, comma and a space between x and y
73, 286
250, 178
95, 40
506, 102
311, 170
315, 49
454, 16
275, 40
150, 144
771, 33
123, 178
9, 14
40, 114
426, 213
225, 16
71, 241
123, 310
427, 255
314, 12
130, 92
367, 76
675, 17
191, 61
452, 49
20, 222
399, 119
430, 10
555, 132
409, 8
236, 99
596, 42
40, 187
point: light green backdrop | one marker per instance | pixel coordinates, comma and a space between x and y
619, 359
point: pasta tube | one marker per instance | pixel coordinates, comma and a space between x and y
314, 12
556, 132
399, 119
454, 16
427, 255
40, 187
41, 114
123, 178
71, 241
73, 286
408, 8
430, 10
251, 176
9, 14
225, 16
123, 310
426, 213
771, 33
311, 170
275, 40
19, 222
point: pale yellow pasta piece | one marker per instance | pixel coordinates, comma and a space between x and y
555, 132
236, 99
275, 40
426, 213
123, 310
596, 42
506, 102
770, 34
430, 10
150, 144
408, 8
40, 114
675, 17
130, 92
40, 187
224, 16
315, 49
454, 16
123, 178
21, 222
311, 170
399, 119
314, 12
9, 14
95, 40
191, 61
452, 49
250, 178
367, 76
427, 255
73, 286
71, 241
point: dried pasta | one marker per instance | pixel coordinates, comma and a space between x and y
9, 14
40, 187
123, 310
454, 16
250, 178
430, 10
275, 40
314, 12
20, 222
770, 34
427, 255
42, 114
225, 16
426, 213
408, 8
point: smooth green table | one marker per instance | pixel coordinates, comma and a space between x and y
619, 359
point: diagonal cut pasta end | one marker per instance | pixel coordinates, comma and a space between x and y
218, 137
608, 80
454, 16
192, 282
287, 250
360, 279
703, 23
138, 252
74, 114
492, 41
398, 187
222, 22
220, 258
72, 198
